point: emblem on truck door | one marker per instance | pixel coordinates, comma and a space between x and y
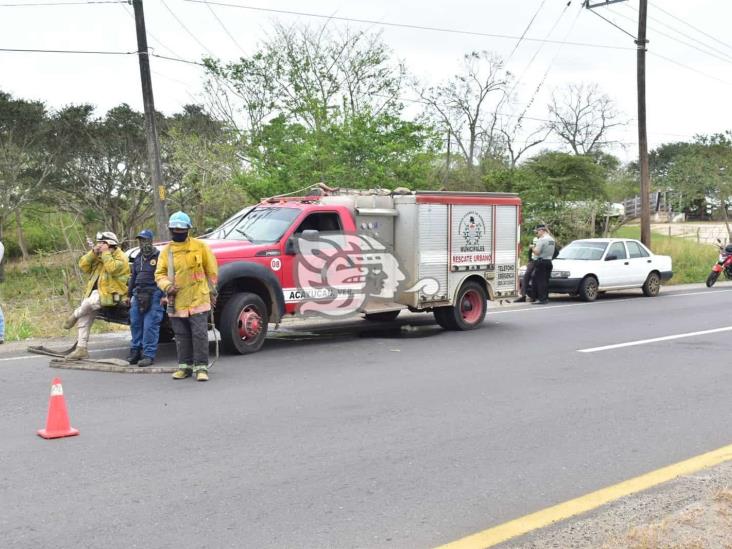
337, 274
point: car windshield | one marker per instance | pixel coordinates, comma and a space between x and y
263, 225
227, 226
584, 250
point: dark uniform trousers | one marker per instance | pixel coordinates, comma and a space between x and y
542, 273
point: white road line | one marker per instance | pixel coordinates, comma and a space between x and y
653, 340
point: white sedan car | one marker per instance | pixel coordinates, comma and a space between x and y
588, 267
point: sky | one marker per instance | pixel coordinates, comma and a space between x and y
689, 64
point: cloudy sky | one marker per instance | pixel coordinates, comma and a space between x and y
689, 62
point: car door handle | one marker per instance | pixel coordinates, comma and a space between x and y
648, 261
626, 263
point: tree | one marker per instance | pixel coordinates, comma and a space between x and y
200, 156
313, 106
105, 181
465, 106
565, 191
582, 117
30, 141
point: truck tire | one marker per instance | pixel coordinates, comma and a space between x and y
468, 312
588, 288
243, 324
386, 316
652, 285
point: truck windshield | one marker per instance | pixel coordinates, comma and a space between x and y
263, 225
583, 249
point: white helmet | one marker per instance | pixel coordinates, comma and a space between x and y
109, 237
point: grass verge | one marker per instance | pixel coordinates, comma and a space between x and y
37, 295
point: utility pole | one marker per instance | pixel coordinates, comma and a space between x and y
153, 148
645, 179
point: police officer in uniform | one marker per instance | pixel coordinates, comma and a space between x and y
544, 252
146, 311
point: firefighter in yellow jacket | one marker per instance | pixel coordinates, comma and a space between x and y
190, 286
108, 270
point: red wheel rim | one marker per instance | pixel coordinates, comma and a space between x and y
471, 306
249, 323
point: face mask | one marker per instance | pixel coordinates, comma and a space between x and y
147, 248
178, 237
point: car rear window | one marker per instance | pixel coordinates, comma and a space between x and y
635, 250
584, 250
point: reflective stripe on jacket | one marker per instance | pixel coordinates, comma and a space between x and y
109, 272
196, 271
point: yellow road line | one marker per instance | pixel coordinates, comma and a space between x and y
550, 515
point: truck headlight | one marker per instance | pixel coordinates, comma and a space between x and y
560, 274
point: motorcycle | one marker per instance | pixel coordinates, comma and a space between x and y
723, 265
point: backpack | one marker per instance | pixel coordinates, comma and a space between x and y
557, 248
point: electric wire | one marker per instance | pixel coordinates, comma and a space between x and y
185, 28
613, 24
726, 58
700, 31
47, 4
526, 30
226, 30
405, 25
151, 35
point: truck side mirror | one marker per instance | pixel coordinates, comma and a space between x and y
290, 247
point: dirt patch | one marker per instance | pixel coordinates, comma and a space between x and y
693, 512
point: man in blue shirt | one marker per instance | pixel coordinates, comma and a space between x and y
146, 312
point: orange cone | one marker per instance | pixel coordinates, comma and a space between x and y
57, 423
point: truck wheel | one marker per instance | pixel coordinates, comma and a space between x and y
469, 309
588, 288
386, 316
712, 278
652, 285
243, 324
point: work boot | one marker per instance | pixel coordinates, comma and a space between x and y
146, 361
521, 299
201, 375
70, 321
182, 372
134, 356
78, 354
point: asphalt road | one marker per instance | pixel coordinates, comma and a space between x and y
399, 437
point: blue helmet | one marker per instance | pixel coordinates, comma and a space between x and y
146, 233
179, 220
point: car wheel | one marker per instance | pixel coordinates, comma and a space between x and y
652, 285
712, 278
588, 288
243, 324
387, 316
469, 310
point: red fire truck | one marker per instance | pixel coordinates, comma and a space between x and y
440, 252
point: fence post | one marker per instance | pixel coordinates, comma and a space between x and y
698, 230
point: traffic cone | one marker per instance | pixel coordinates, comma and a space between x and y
57, 423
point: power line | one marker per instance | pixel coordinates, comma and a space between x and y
44, 4
226, 30
726, 58
690, 25
406, 25
690, 68
97, 52
523, 35
151, 35
183, 26
621, 29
